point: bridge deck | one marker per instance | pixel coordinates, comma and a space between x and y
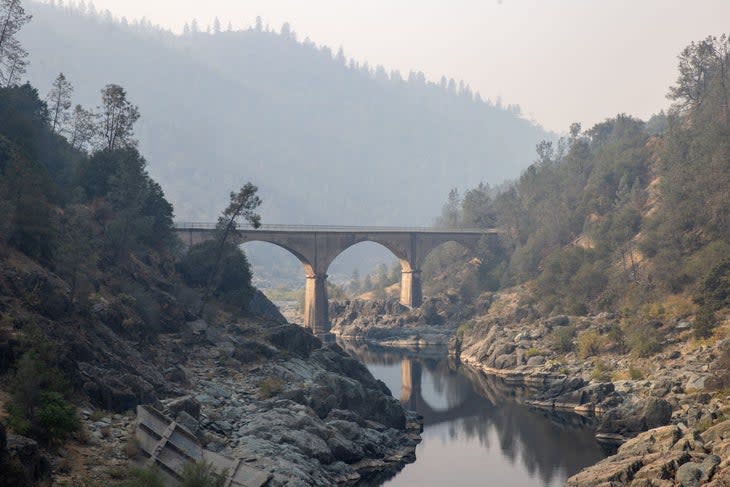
185, 226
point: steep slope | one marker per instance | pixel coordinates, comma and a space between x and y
98, 313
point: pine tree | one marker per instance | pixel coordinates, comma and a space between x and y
12, 55
59, 102
242, 205
83, 128
217, 25
117, 117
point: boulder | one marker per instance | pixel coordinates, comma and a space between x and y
188, 404
25, 458
689, 475
609, 472
260, 305
560, 320
293, 339
636, 416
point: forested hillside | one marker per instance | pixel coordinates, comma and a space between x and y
327, 139
623, 215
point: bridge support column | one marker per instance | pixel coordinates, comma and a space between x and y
410, 374
316, 313
410, 288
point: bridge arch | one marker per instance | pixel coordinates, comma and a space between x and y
308, 267
317, 247
397, 252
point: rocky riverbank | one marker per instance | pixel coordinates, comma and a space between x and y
387, 322
668, 409
249, 387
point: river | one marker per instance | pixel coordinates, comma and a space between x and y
476, 431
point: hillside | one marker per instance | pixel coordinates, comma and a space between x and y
100, 312
327, 142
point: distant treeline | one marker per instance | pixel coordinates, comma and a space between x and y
327, 139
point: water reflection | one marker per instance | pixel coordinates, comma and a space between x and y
475, 428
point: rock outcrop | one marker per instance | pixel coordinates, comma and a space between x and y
248, 386
389, 322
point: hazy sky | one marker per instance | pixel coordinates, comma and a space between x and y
561, 60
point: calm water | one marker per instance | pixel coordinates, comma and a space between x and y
475, 431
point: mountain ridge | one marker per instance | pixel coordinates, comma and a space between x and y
320, 138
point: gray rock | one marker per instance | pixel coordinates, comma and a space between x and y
560, 320
636, 416
505, 361
708, 467
197, 326
689, 475
657, 412
184, 403
535, 361
189, 422
684, 325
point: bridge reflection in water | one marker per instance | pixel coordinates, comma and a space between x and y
476, 429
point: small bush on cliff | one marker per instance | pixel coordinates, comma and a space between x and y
704, 322
601, 372
534, 352
643, 340
561, 339
270, 386
590, 344
464, 328
38, 408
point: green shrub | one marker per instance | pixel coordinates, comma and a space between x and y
270, 386
561, 338
232, 284
617, 337
635, 373
37, 407
643, 340
533, 352
601, 372
57, 417
464, 328
704, 322
589, 344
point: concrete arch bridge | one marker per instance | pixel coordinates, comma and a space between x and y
317, 247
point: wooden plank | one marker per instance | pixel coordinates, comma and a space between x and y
172, 447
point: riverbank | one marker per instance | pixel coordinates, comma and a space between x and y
668, 399
476, 425
248, 387
586, 365
389, 323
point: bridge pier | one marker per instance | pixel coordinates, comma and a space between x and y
316, 308
317, 247
410, 374
411, 294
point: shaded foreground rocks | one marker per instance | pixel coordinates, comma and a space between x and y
21, 461
305, 413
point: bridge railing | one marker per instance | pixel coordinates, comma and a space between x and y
182, 225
